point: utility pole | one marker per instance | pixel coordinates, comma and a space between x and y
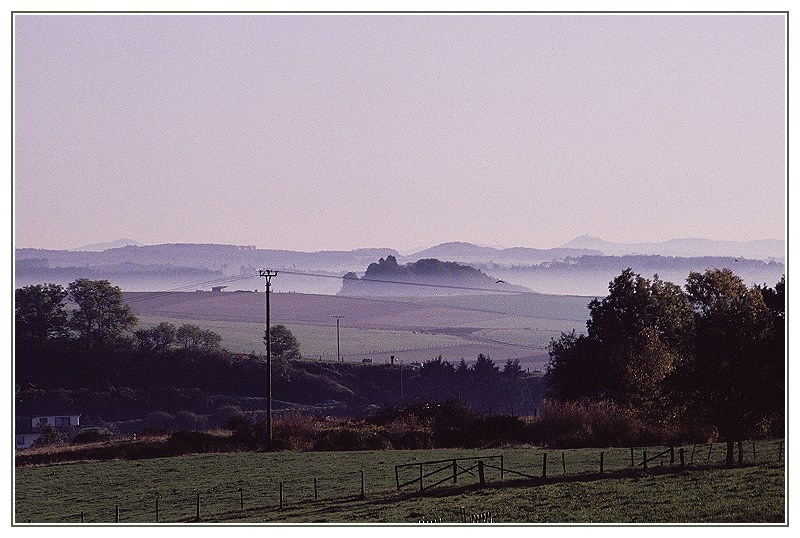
338, 348
267, 274
401, 382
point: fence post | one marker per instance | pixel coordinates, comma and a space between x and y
680, 453
481, 476
197, 518
463, 515
672, 455
544, 465
156, 508
455, 472
632, 464
280, 495
420, 477
81, 516
116, 514
315, 488
241, 497
501, 467
780, 452
563, 464
644, 459
710, 447
397, 477
601, 462
362, 484
754, 450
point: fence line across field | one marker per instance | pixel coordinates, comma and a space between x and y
193, 504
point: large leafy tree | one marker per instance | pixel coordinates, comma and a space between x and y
158, 338
101, 318
637, 335
40, 313
283, 344
193, 337
728, 381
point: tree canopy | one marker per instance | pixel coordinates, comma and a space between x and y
40, 313
712, 353
101, 317
283, 345
731, 373
636, 336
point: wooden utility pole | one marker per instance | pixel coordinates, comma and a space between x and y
267, 274
338, 348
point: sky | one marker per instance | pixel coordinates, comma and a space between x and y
334, 132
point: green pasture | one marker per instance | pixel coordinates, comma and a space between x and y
246, 487
316, 340
534, 305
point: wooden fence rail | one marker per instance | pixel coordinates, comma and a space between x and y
453, 467
170, 505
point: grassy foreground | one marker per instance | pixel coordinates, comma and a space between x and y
246, 488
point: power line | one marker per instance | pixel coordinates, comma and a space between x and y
206, 283
231, 279
446, 286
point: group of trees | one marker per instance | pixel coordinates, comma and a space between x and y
483, 385
710, 354
96, 318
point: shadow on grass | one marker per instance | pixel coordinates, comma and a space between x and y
324, 509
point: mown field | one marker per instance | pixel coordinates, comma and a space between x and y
414, 329
246, 487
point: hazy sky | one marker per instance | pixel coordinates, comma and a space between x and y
336, 132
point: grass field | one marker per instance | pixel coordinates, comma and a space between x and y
411, 328
316, 340
703, 492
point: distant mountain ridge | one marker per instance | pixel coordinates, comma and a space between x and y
99, 247
762, 249
468, 252
562, 271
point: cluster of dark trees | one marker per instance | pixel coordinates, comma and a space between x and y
78, 348
483, 385
709, 354
387, 277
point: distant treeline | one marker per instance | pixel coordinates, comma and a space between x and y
431, 276
92, 360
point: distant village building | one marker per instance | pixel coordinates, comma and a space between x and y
218, 289
27, 428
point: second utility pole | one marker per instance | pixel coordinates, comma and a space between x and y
338, 348
267, 277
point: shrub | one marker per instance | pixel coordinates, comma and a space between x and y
409, 433
91, 435
189, 441
351, 437
49, 436
159, 421
297, 431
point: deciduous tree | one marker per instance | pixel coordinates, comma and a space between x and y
725, 381
193, 337
102, 317
40, 313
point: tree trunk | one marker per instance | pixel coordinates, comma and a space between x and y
729, 453
741, 453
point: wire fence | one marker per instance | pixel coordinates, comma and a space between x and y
246, 499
